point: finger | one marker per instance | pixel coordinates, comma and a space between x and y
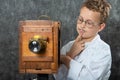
82, 48
83, 45
79, 38
82, 42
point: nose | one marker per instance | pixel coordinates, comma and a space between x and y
83, 24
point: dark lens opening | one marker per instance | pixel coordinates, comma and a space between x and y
34, 46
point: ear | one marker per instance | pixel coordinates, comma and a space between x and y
102, 26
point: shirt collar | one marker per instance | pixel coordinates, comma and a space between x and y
91, 42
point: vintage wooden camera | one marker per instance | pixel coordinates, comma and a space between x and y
39, 46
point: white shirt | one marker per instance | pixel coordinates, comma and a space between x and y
94, 63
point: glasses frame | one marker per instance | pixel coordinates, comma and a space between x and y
88, 23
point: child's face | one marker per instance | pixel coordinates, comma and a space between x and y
88, 23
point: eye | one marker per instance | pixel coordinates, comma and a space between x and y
80, 20
89, 22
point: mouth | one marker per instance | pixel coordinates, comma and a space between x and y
81, 31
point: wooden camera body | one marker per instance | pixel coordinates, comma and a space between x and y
38, 46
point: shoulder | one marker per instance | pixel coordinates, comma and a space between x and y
69, 44
101, 50
98, 47
100, 44
66, 47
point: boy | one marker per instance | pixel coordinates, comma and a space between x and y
87, 57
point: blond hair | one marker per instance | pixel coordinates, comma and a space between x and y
101, 6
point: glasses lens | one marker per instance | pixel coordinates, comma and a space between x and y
89, 23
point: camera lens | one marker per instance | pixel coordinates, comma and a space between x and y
34, 46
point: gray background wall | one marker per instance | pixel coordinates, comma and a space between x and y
66, 11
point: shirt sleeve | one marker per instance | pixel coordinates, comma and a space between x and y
97, 68
62, 71
66, 48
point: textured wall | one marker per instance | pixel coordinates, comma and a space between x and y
66, 11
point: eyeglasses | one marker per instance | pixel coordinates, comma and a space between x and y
88, 23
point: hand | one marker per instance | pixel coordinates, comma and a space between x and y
65, 60
77, 47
